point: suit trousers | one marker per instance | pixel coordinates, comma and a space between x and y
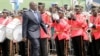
35, 46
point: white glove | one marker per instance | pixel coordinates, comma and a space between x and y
55, 16
47, 25
90, 25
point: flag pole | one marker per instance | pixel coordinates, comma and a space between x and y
85, 6
62, 2
79, 2
72, 4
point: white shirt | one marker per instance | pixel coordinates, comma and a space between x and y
36, 15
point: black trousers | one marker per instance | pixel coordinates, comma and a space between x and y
86, 45
44, 47
78, 46
94, 47
97, 43
59, 47
5, 47
22, 48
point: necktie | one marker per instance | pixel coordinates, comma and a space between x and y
36, 15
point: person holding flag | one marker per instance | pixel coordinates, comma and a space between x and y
74, 3
15, 4
88, 4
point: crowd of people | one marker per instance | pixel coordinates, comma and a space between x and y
70, 28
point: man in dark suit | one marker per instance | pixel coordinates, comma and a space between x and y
31, 28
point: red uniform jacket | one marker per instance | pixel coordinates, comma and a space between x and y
8, 19
1, 20
78, 26
96, 22
61, 29
47, 20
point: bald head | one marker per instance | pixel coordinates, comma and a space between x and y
33, 5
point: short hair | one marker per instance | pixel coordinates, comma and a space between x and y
65, 4
93, 7
77, 6
40, 3
5, 11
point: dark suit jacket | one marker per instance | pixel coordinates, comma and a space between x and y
30, 26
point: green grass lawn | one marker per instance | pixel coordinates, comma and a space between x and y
6, 3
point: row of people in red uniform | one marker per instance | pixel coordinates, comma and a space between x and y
74, 27
65, 28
